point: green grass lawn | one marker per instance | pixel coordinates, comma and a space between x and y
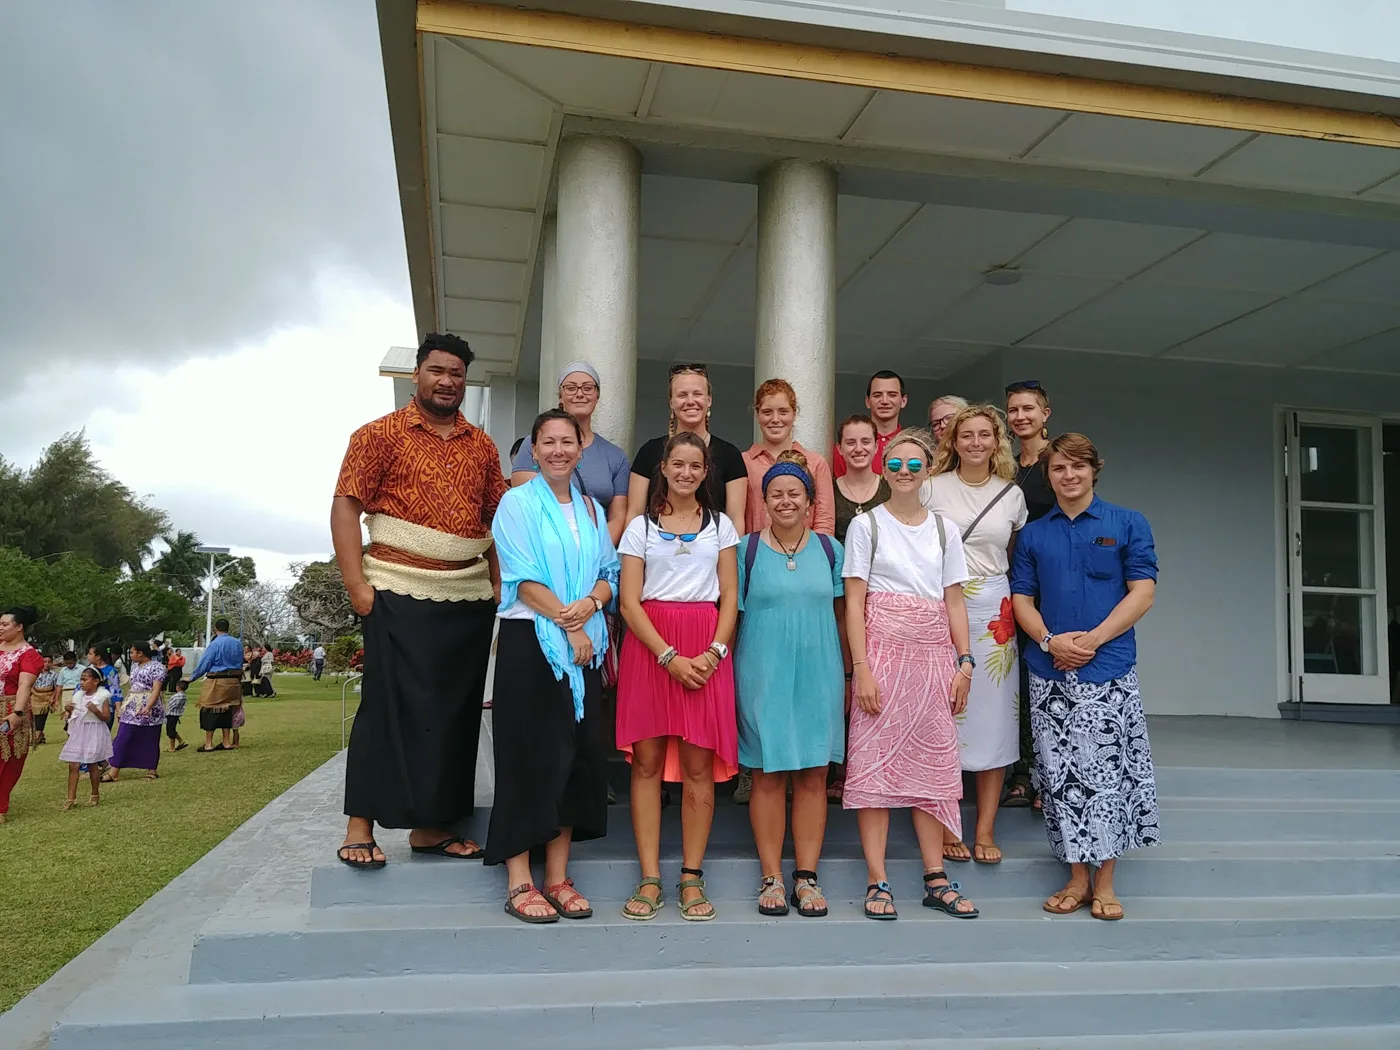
68, 878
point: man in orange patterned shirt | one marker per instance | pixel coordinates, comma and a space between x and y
426, 587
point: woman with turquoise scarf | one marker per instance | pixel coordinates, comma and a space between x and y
558, 570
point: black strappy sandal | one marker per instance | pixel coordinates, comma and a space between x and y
369, 846
872, 894
937, 896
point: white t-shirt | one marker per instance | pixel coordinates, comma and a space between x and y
676, 571
907, 559
80, 708
960, 503
519, 610
319, 653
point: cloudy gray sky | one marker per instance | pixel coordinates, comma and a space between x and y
201, 257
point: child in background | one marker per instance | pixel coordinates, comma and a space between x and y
174, 708
89, 739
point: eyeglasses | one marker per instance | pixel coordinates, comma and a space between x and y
942, 421
894, 466
578, 388
1024, 384
698, 369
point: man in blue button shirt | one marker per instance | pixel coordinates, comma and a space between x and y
222, 668
1093, 568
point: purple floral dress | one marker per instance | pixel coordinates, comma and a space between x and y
144, 678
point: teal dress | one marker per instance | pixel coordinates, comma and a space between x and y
791, 692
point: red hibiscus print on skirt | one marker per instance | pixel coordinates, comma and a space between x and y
1003, 628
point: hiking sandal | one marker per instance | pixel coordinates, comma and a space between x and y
873, 894
938, 896
807, 896
772, 896
696, 882
653, 906
532, 896
554, 894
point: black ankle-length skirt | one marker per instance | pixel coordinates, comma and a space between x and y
412, 757
551, 772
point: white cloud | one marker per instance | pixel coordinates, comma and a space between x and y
243, 446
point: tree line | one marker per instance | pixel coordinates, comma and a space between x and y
79, 546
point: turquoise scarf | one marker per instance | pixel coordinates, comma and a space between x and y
536, 545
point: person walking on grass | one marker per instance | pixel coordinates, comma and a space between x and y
89, 741
174, 709
222, 668
318, 662
138, 736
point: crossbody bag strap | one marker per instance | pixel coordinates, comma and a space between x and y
992, 503
750, 556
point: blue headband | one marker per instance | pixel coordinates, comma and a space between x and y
790, 469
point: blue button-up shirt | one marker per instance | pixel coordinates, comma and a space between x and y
225, 653
1080, 571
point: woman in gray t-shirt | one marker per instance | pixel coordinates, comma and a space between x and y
603, 469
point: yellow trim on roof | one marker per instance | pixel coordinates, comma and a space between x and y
901, 73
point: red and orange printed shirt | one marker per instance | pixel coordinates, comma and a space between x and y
400, 466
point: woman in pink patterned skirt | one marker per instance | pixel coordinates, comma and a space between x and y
912, 666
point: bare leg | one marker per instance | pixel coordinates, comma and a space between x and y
227, 740
73, 776
360, 829
874, 825
1105, 900
989, 784
648, 757
697, 813
208, 740
768, 817
95, 779
808, 816
518, 874
933, 835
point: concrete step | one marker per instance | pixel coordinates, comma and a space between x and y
1379, 1038
1302, 785
404, 940
1266, 871
748, 1006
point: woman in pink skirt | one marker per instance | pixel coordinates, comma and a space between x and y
912, 666
679, 594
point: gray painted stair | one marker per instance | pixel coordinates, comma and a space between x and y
1270, 919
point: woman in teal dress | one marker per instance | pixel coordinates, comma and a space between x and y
789, 681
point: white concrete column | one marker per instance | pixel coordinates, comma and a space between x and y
796, 332
596, 290
474, 405
498, 416
549, 314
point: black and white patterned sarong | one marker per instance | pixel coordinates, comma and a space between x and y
1093, 767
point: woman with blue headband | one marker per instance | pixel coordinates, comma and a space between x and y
789, 685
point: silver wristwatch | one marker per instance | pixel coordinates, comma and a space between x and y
720, 649
1045, 642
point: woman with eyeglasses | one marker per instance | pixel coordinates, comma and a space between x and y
603, 470
775, 405
973, 486
727, 482
1027, 413
675, 697
941, 411
906, 624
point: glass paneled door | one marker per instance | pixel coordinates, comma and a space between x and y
1336, 570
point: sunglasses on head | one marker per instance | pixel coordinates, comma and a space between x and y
894, 466
1024, 384
699, 369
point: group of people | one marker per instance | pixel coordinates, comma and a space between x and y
93, 697
931, 603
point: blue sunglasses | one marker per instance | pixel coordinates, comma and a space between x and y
895, 465
684, 537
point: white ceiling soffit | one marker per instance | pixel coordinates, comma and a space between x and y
910, 292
